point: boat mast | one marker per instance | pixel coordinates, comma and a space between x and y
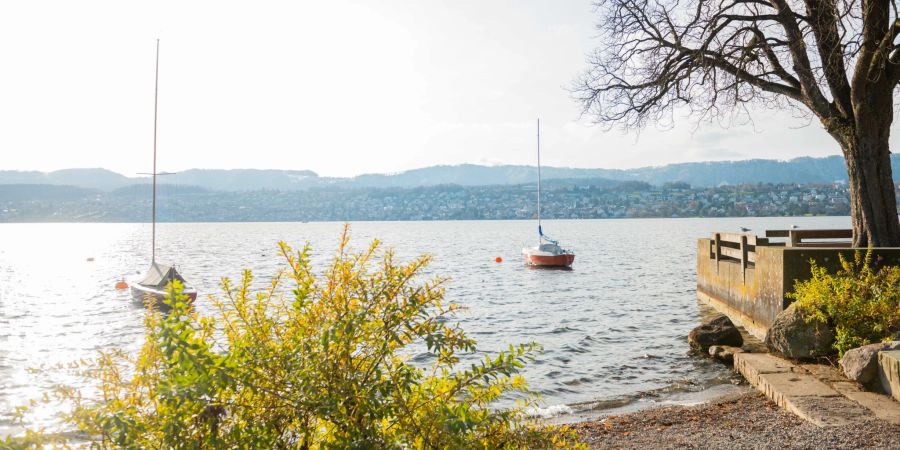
540, 232
155, 107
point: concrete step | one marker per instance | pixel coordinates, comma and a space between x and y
816, 393
889, 371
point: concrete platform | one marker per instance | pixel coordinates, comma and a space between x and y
889, 371
816, 393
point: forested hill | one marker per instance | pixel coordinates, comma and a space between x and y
219, 180
701, 174
799, 170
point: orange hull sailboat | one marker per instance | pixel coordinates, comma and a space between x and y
547, 253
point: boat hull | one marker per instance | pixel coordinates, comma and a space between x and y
564, 260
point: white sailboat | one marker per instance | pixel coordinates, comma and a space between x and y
547, 253
154, 283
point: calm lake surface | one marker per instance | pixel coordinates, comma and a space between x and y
613, 329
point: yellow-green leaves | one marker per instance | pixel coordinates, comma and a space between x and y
314, 362
860, 301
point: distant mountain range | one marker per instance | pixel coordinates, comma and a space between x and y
702, 174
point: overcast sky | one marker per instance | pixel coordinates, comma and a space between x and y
341, 87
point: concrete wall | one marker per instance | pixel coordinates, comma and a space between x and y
753, 299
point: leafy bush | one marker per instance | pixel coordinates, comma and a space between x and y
861, 302
313, 363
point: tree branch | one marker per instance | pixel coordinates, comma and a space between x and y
824, 22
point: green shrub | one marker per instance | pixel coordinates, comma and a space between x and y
313, 363
861, 302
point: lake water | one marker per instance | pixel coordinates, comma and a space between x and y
613, 329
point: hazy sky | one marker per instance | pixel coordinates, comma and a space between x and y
341, 87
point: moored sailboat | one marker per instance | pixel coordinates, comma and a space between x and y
548, 252
157, 282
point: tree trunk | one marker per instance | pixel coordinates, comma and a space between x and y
873, 203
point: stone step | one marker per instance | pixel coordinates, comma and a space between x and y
881, 405
816, 393
889, 371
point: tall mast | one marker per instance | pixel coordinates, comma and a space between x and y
540, 232
155, 107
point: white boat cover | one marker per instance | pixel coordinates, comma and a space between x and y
159, 276
551, 248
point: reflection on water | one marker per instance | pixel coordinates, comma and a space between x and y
613, 328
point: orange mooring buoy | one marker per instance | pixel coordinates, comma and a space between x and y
121, 285
498, 259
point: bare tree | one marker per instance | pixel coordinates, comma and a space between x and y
838, 60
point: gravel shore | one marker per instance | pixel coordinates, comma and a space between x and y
748, 421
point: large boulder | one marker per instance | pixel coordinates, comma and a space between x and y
793, 337
861, 363
718, 331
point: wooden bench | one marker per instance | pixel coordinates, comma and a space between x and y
813, 238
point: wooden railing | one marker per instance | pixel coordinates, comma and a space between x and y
741, 247
813, 238
736, 247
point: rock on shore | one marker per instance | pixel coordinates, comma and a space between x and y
861, 364
724, 353
718, 331
791, 336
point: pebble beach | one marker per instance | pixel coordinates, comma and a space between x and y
747, 421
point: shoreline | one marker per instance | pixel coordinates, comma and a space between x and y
747, 420
575, 413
